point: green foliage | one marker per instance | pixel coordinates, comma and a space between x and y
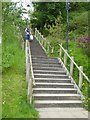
15, 102
42, 16
10, 48
14, 87
78, 22
79, 6
83, 42
56, 30
46, 13
13, 60
12, 13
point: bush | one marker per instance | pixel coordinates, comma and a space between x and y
83, 42
11, 49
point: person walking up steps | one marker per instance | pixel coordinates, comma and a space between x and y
29, 36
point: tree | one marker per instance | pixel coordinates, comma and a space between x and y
12, 13
46, 13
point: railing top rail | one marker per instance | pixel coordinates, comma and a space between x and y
74, 63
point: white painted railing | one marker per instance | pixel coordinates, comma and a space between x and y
46, 46
29, 72
72, 65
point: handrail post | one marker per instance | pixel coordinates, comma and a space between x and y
52, 50
80, 77
65, 58
31, 90
37, 35
35, 32
28, 91
45, 43
48, 47
71, 66
42, 40
61, 51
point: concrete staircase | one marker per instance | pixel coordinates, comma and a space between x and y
54, 88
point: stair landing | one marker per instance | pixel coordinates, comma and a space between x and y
78, 113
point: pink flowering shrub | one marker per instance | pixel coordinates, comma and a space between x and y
83, 42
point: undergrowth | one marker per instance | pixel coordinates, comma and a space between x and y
14, 87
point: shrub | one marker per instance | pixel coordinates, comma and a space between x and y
83, 42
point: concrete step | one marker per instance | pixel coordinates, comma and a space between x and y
55, 90
48, 68
46, 61
50, 76
39, 51
56, 103
47, 65
42, 58
39, 57
53, 85
63, 113
52, 80
49, 72
56, 96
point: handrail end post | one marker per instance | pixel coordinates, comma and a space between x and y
80, 77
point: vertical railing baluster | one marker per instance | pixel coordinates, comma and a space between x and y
52, 50
45, 45
48, 47
71, 66
65, 58
80, 77
35, 32
42, 40
61, 51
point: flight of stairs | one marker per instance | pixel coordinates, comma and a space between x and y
53, 86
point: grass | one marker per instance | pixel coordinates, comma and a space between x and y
15, 98
14, 87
